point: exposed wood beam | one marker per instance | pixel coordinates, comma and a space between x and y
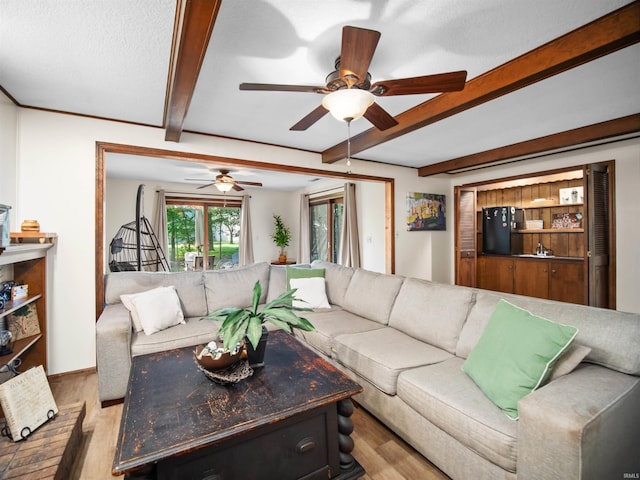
192, 31
606, 35
590, 133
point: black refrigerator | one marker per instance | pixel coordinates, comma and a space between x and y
498, 230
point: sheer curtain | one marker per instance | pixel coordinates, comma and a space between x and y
349, 238
304, 242
245, 254
160, 223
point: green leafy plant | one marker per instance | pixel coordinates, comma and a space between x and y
238, 323
282, 235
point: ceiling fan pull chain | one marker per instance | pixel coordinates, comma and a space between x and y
348, 145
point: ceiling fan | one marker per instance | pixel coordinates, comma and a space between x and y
349, 92
225, 182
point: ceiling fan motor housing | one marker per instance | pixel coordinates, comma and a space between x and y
335, 82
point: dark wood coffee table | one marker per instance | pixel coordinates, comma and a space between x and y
290, 420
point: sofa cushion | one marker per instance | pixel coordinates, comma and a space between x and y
371, 294
448, 398
613, 336
431, 312
194, 331
277, 282
189, 285
234, 287
331, 323
380, 355
516, 354
154, 310
310, 292
569, 361
338, 278
296, 272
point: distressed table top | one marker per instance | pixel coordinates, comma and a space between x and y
171, 407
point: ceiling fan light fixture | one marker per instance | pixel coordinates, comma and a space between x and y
348, 104
224, 186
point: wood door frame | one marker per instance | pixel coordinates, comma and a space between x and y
102, 148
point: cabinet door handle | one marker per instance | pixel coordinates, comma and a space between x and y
553, 270
305, 445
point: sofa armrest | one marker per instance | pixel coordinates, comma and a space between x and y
584, 425
113, 352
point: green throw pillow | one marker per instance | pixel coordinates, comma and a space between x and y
516, 354
296, 272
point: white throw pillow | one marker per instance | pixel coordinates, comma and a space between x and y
154, 310
311, 292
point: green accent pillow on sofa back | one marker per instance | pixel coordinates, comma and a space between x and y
516, 354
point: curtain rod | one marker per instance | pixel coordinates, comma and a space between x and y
205, 194
334, 189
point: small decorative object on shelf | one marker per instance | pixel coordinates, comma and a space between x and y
571, 195
19, 292
566, 220
24, 322
246, 324
5, 342
534, 224
30, 226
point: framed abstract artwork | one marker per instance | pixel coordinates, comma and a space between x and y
426, 212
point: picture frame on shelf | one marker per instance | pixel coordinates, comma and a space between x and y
571, 195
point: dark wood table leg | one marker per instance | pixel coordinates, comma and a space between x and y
349, 467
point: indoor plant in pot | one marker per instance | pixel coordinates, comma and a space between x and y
281, 237
248, 323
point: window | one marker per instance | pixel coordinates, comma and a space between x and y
193, 224
326, 226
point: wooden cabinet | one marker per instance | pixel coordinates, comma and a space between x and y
561, 280
27, 263
495, 273
531, 277
573, 214
566, 282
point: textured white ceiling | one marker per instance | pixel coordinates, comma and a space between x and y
110, 58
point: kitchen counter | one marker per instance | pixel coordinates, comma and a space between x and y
534, 256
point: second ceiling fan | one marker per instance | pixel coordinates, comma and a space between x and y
352, 79
225, 182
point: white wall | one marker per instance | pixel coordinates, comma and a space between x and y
54, 176
55, 184
8, 125
627, 179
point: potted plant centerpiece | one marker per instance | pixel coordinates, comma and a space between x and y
281, 237
247, 324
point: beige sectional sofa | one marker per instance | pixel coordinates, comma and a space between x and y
405, 341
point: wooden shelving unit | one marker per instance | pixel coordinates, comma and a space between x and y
41, 237
27, 263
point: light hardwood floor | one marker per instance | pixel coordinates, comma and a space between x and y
382, 454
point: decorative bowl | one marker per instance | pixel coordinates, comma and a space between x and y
214, 356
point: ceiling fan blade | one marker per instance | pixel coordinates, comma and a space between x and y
237, 187
273, 87
254, 184
310, 119
441, 82
358, 47
207, 185
380, 118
